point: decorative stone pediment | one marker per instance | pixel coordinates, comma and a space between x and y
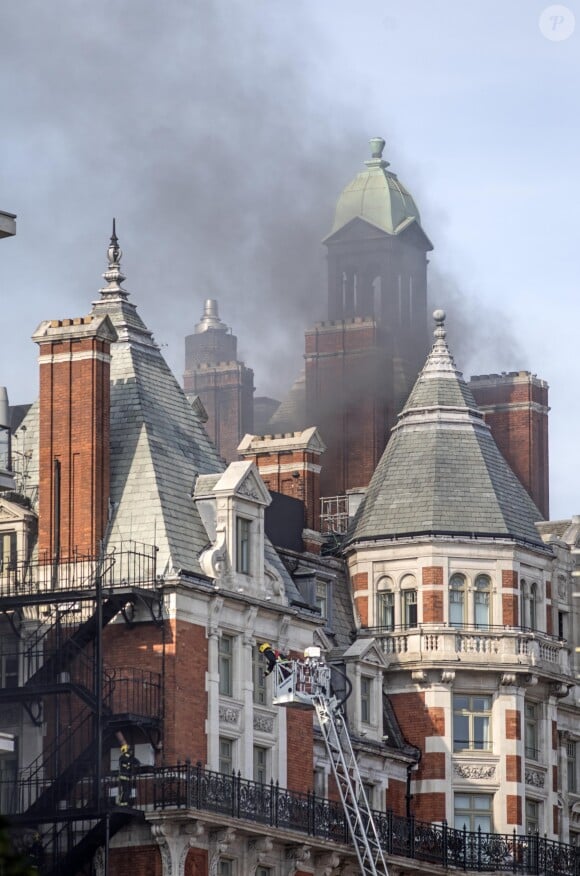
365, 651
484, 771
242, 479
535, 778
11, 512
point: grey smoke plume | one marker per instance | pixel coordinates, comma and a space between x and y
201, 127
204, 126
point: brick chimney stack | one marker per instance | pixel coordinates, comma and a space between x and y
516, 407
74, 437
290, 464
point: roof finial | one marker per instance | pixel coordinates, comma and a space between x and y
210, 318
113, 275
439, 316
377, 160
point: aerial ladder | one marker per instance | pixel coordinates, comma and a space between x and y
306, 684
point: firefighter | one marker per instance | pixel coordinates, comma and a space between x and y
128, 763
273, 657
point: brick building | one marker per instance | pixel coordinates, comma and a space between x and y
138, 579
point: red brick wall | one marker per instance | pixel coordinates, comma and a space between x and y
554, 735
513, 809
305, 487
513, 768
509, 609
300, 749
429, 807
349, 396
360, 581
433, 575
516, 409
138, 860
513, 724
396, 793
432, 606
196, 863
227, 394
186, 658
74, 429
554, 779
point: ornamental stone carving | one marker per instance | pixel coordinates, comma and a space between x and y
474, 770
263, 723
535, 778
229, 714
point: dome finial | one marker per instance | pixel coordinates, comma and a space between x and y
377, 146
113, 274
210, 318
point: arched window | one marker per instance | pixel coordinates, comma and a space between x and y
385, 604
482, 602
457, 600
409, 601
533, 606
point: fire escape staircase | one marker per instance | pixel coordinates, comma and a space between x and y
63, 788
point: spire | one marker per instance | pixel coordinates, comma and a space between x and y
440, 362
113, 275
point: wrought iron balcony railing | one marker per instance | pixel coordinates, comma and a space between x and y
185, 786
134, 565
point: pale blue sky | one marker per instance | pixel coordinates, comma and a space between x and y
220, 134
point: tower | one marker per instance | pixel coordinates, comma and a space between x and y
361, 363
224, 385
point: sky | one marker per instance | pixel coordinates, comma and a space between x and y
220, 133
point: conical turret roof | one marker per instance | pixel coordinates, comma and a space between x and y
442, 472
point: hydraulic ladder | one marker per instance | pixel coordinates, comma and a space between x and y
306, 684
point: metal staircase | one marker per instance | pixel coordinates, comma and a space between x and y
306, 684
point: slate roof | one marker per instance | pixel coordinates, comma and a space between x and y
441, 471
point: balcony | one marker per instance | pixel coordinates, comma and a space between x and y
502, 647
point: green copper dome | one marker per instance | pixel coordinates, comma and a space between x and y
377, 197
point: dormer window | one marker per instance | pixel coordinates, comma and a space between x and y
243, 545
7, 551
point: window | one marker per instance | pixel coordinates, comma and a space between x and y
263, 871
225, 665
259, 667
386, 609
563, 625
7, 551
571, 767
473, 811
261, 764
322, 599
365, 699
482, 602
226, 867
471, 723
531, 731
409, 598
319, 782
243, 545
8, 786
226, 756
533, 606
369, 793
8, 670
457, 600
532, 816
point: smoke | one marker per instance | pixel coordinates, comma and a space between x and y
481, 338
201, 127
207, 129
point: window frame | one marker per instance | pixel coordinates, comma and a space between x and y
366, 688
259, 678
473, 714
572, 765
409, 606
472, 812
384, 609
534, 816
226, 666
261, 751
531, 731
478, 591
457, 585
243, 545
230, 756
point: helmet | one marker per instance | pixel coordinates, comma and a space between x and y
264, 647
124, 748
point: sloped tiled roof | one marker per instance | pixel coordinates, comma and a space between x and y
442, 471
